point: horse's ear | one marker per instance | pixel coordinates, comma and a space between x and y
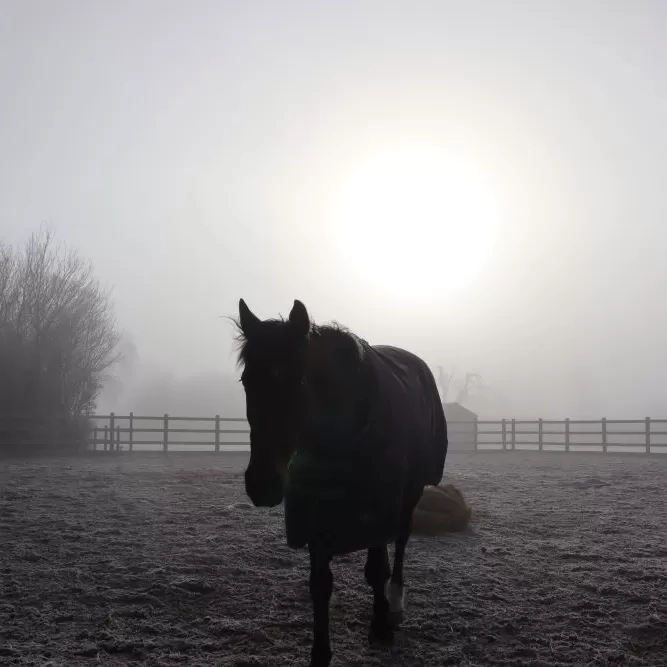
247, 319
299, 319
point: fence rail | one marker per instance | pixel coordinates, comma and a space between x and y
127, 432
647, 436
165, 433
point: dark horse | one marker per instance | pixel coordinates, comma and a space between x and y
348, 435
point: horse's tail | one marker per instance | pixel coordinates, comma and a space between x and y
439, 437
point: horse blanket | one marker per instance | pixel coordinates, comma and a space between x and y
349, 494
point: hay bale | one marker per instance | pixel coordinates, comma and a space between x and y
441, 509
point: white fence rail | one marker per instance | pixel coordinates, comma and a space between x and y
164, 433
646, 436
168, 433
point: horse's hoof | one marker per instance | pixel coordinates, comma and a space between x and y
396, 599
381, 633
320, 657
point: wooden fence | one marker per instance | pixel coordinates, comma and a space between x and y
167, 433
647, 436
127, 432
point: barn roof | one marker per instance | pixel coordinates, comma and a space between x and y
457, 412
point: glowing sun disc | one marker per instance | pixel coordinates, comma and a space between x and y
416, 223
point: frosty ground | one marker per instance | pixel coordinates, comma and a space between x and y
160, 560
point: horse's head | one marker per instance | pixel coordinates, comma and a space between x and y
304, 385
273, 355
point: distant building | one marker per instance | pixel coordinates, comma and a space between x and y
460, 427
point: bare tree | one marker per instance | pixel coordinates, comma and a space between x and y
58, 333
445, 382
448, 380
469, 381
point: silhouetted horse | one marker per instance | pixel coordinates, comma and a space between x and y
348, 435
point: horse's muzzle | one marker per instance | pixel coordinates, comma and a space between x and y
264, 486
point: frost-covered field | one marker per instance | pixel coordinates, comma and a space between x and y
160, 560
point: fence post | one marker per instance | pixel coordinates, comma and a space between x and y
106, 437
567, 434
118, 447
130, 434
648, 435
540, 433
165, 433
112, 429
503, 425
604, 434
94, 438
475, 432
513, 433
217, 433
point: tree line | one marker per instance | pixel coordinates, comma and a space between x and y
58, 341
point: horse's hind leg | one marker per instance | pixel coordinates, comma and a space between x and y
396, 588
377, 572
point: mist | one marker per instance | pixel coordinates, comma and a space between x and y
195, 154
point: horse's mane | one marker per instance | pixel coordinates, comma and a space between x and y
241, 340
333, 335
341, 339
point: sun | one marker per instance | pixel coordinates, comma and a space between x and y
416, 223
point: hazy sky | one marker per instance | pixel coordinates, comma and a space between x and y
195, 151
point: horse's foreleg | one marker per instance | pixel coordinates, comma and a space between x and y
377, 572
321, 585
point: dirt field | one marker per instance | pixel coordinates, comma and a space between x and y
159, 560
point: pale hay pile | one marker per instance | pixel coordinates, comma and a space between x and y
441, 509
